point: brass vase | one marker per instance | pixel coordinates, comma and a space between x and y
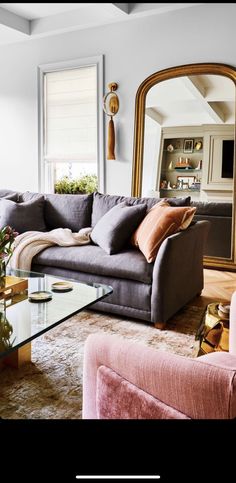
6, 329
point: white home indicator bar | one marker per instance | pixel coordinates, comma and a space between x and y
118, 477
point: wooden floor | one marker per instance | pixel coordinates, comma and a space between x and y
218, 286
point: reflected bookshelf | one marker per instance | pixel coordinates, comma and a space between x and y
192, 190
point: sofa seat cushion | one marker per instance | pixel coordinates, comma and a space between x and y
129, 298
129, 263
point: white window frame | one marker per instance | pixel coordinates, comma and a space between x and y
72, 64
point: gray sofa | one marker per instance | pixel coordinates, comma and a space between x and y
219, 214
150, 292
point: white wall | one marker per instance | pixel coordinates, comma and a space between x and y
133, 50
151, 151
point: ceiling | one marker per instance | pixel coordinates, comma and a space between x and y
31, 11
193, 100
24, 21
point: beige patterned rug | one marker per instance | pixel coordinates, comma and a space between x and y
51, 386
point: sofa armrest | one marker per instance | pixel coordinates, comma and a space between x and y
178, 271
202, 388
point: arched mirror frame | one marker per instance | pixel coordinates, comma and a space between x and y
139, 128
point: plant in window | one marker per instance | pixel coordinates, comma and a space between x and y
84, 185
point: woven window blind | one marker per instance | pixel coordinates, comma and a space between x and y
70, 115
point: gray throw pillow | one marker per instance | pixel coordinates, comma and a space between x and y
12, 197
115, 228
9, 195
64, 210
24, 216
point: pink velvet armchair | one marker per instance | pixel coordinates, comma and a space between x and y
127, 380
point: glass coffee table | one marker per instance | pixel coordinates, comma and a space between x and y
21, 321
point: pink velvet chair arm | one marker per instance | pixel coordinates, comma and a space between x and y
202, 388
232, 325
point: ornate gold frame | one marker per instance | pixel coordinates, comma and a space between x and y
170, 73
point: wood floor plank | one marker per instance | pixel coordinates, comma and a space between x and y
219, 286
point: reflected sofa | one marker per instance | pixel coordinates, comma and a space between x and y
151, 292
219, 214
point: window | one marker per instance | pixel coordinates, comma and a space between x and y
71, 123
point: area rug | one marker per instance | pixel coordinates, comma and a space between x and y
51, 386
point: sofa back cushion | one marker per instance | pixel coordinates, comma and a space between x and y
103, 203
161, 221
115, 228
29, 195
25, 216
68, 211
213, 208
64, 211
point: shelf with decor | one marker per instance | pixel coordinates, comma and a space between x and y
181, 164
182, 170
180, 151
193, 190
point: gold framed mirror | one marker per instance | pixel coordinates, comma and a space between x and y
184, 145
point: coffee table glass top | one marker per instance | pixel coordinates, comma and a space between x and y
22, 321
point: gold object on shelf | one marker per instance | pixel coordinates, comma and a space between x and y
198, 145
183, 164
13, 285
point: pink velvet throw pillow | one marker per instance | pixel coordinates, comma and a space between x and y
161, 221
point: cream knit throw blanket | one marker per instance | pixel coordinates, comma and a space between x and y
28, 244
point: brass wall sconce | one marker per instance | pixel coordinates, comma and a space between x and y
111, 107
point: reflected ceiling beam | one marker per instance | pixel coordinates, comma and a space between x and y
86, 17
124, 7
155, 115
197, 89
198, 85
144, 9
217, 112
15, 22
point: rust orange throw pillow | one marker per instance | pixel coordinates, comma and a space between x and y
160, 222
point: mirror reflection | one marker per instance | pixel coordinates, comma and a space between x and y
189, 150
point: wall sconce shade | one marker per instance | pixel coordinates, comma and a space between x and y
111, 107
